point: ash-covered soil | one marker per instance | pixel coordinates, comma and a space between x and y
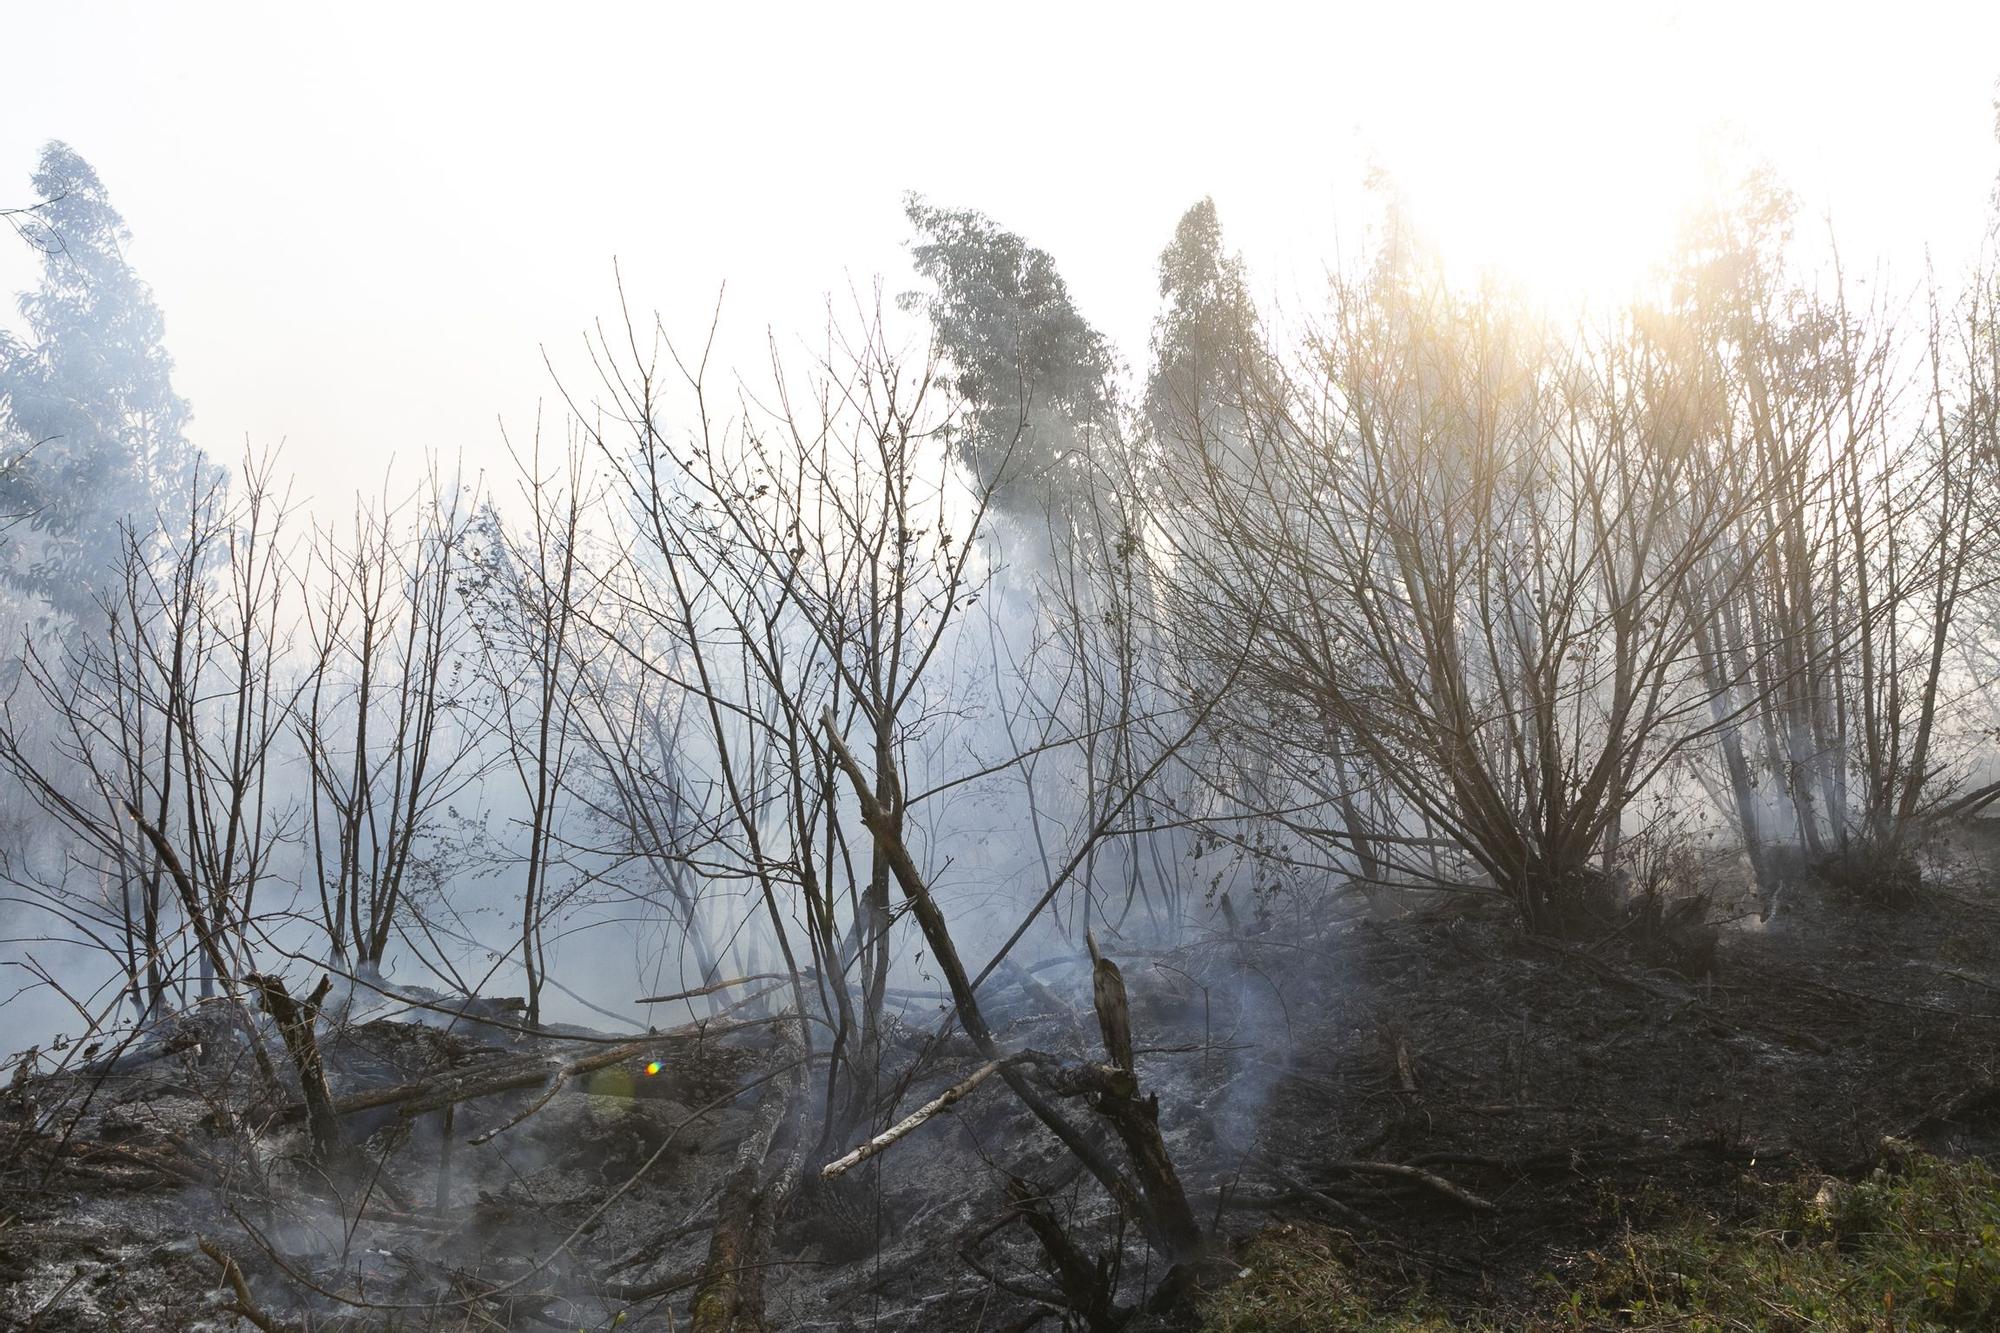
1476, 1108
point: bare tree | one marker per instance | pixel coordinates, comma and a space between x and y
163, 773
388, 733
1828, 661
527, 591
1472, 531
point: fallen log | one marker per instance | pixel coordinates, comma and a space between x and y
1036, 991
480, 1083
81, 1157
730, 1295
509, 1074
432, 1094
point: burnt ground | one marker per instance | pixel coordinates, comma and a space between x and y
1478, 1110
1582, 1093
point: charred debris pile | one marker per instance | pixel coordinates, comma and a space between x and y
1092, 1143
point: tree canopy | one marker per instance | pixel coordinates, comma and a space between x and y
95, 428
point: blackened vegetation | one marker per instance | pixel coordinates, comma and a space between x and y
1470, 1106
1584, 1091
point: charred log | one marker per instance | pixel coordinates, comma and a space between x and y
295, 1022
730, 1297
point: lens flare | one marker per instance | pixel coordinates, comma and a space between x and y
652, 1067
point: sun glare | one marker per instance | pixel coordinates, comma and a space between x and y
1567, 220
1560, 161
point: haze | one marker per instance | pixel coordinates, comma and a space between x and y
364, 223
929, 668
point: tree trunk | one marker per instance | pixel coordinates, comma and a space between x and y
295, 1024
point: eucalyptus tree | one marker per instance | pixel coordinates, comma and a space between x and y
1038, 382
87, 391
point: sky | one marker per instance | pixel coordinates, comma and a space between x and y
367, 223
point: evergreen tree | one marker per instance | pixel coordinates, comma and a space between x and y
1209, 361
1038, 381
86, 397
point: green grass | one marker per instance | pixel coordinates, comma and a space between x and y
1916, 1247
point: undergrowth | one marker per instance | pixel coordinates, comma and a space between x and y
1914, 1246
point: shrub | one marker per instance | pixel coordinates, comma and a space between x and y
1878, 874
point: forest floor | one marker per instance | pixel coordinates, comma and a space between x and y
1427, 1121
1601, 1106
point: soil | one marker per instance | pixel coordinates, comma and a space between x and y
1547, 1095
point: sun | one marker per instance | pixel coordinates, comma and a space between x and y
1563, 224
1564, 164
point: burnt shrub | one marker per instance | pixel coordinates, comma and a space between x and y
1669, 909
1873, 873
1674, 933
1575, 903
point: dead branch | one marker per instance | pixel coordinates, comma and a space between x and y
245, 1304
1086, 1285
1114, 1094
205, 934
944, 1101
445, 1127
646, 1291
1038, 1295
730, 1298
713, 987
1137, 1120
548, 1094
1346, 1212
1421, 1177
885, 829
883, 824
1114, 1010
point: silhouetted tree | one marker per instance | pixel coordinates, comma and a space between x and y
1208, 349
88, 394
389, 737
1037, 380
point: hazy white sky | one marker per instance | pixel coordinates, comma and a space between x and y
364, 221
